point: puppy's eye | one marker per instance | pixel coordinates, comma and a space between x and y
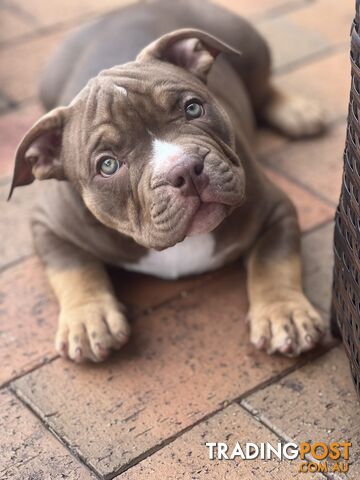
193, 109
108, 166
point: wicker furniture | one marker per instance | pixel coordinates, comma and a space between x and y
346, 286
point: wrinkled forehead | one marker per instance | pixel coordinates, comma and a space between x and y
137, 90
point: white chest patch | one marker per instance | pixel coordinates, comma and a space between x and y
193, 255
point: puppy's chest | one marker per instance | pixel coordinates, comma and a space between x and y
194, 255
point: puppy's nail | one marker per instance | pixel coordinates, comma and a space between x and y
262, 343
122, 337
78, 354
309, 340
102, 351
63, 349
287, 346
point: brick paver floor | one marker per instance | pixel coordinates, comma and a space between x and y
186, 377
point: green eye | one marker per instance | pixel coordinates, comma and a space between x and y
193, 109
108, 166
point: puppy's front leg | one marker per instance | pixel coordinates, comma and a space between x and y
281, 317
91, 322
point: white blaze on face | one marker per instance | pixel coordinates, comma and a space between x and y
164, 154
121, 90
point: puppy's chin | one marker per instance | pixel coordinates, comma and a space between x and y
207, 218
204, 219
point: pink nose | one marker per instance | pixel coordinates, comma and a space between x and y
188, 175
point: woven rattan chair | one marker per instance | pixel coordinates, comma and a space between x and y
346, 286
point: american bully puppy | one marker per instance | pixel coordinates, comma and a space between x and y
149, 134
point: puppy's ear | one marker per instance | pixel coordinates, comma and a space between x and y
193, 50
39, 153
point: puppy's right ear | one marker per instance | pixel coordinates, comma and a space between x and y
39, 153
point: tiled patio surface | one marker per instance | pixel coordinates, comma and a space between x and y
189, 374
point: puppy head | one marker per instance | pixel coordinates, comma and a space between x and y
146, 144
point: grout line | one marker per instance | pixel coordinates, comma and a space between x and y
253, 412
24, 15
325, 52
47, 427
280, 10
13, 263
8, 101
303, 362
279, 435
56, 27
45, 361
317, 227
330, 125
264, 159
15, 105
302, 185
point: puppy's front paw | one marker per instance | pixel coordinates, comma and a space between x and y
289, 326
91, 331
295, 116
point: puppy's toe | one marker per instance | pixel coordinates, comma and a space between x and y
106, 332
99, 337
284, 336
78, 344
260, 332
118, 326
62, 340
312, 328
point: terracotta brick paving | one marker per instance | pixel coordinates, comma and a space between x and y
28, 449
12, 26
184, 361
14, 220
28, 313
314, 164
317, 263
20, 83
321, 25
312, 211
327, 80
329, 406
149, 410
186, 457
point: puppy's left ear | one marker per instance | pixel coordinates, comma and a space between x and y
191, 49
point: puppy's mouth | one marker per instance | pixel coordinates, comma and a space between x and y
206, 218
